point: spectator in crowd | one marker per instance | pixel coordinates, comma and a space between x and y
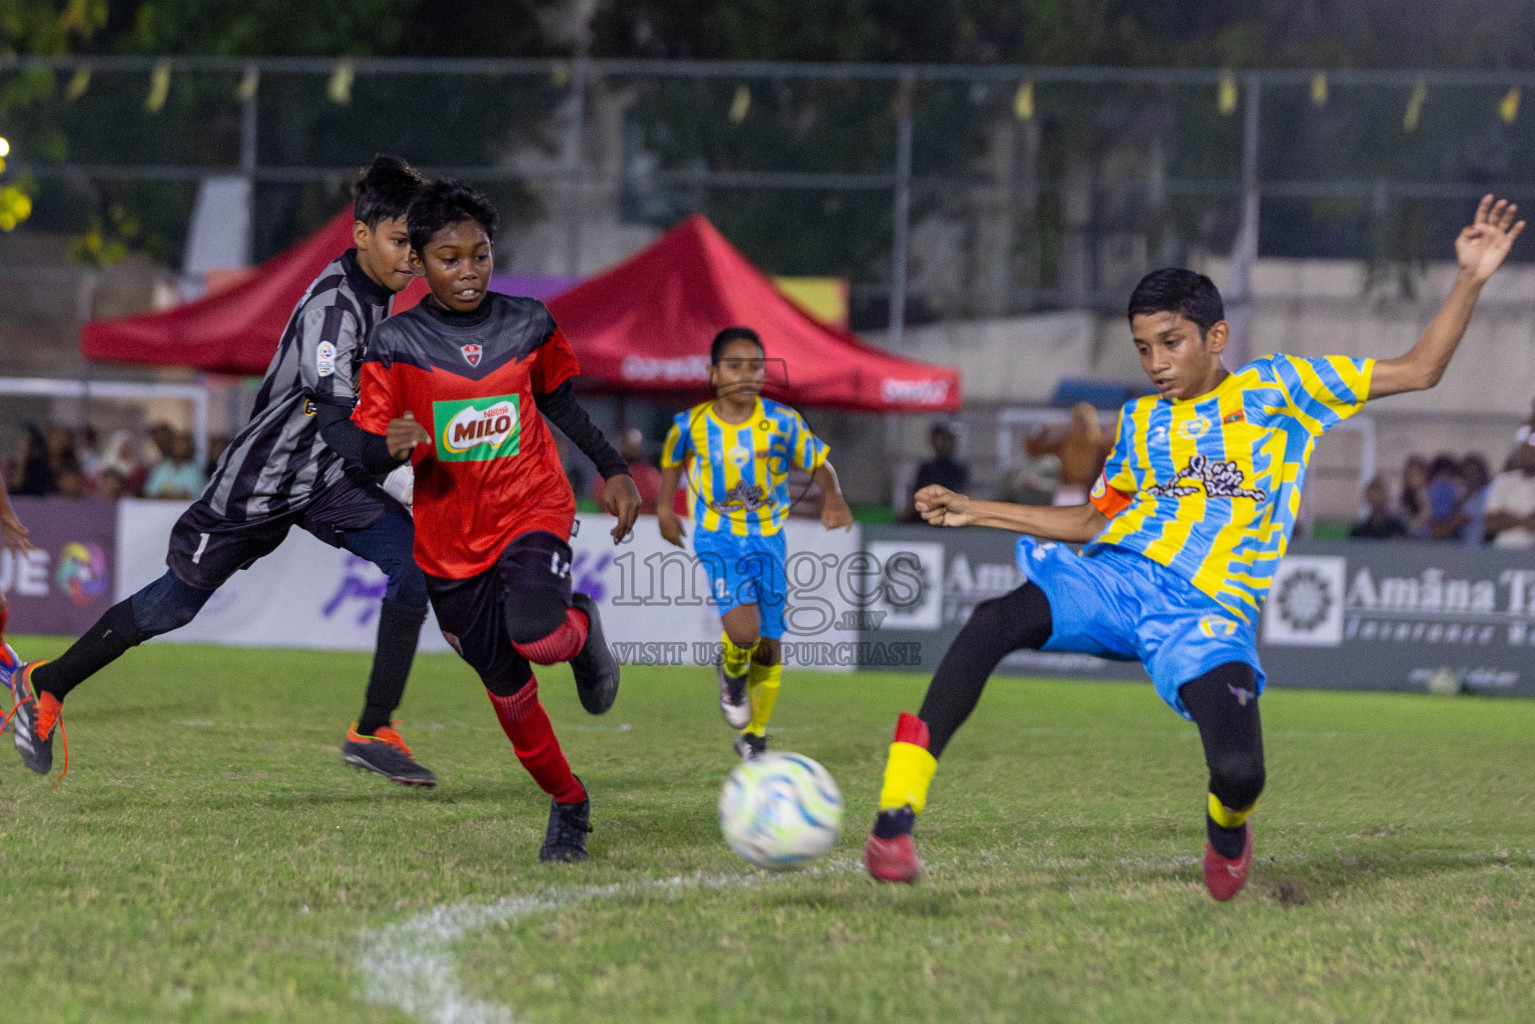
179, 476
1082, 450
218, 444
90, 452
121, 456
63, 449
110, 484
943, 468
32, 476
1510, 518
1446, 491
1473, 507
1379, 523
1414, 500
1526, 429
70, 480
161, 438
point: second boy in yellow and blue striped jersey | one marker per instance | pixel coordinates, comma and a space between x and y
1181, 539
737, 450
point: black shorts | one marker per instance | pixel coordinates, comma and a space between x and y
206, 548
522, 598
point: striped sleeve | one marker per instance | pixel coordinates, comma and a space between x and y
1323, 391
1117, 471
674, 451
328, 348
808, 450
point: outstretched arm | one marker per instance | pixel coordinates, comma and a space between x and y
1480, 250
1074, 524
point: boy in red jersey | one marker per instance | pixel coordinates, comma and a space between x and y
462, 385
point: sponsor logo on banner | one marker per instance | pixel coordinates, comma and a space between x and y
82, 572
680, 370
1305, 605
914, 392
911, 596
66, 582
478, 429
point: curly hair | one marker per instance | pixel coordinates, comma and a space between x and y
443, 202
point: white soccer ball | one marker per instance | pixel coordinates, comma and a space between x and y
780, 810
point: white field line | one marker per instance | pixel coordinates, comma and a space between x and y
411, 964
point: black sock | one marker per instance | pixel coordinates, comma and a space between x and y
889, 824
101, 645
1018, 619
1228, 842
399, 630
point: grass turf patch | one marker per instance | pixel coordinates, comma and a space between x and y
210, 858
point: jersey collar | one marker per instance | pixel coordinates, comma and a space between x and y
759, 413
1227, 383
361, 283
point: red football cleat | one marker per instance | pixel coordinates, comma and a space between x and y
1225, 876
892, 860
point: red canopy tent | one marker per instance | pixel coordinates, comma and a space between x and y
237, 329
645, 326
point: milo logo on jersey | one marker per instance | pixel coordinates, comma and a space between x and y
477, 430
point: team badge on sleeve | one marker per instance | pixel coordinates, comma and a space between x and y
325, 359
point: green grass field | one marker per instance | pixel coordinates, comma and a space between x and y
210, 858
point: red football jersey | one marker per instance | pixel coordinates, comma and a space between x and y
493, 471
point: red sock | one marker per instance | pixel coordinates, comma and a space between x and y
561, 645
526, 724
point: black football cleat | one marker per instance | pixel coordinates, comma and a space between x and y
565, 838
595, 668
385, 752
750, 745
735, 704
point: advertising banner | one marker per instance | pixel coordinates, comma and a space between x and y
923, 583
657, 608
1391, 616
1340, 615
65, 585
655, 599
305, 594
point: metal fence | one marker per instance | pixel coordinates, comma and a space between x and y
935, 190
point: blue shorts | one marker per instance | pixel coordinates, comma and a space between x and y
1117, 604
746, 570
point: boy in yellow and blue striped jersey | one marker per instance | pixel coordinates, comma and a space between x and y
737, 450
1182, 535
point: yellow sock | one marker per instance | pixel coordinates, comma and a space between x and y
1225, 817
736, 658
909, 770
762, 682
